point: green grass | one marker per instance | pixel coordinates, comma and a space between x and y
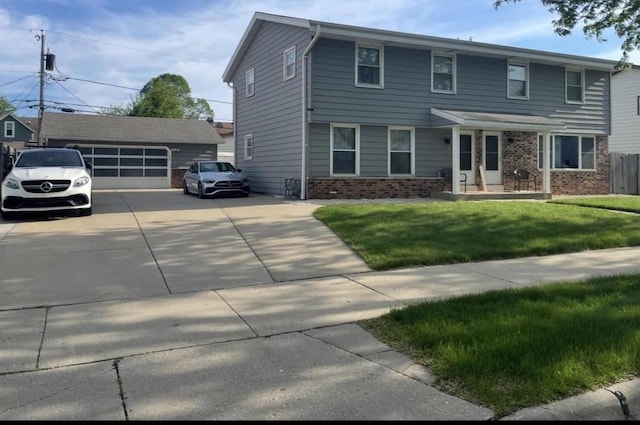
389, 236
518, 348
621, 203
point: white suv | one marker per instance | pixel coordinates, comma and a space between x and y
47, 180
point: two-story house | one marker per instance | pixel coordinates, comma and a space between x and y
357, 112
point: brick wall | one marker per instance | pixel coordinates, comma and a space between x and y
523, 153
373, 188
176, 177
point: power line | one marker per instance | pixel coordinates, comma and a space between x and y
33, 86
15, 81
85, 104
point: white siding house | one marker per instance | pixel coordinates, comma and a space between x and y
625, 111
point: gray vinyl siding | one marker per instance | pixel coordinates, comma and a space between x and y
273, 115
22, 133
431, 152
481, 86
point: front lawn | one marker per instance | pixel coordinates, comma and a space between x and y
524, 347
621, 203
389, 236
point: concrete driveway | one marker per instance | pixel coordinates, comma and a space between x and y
165, 306
149, 243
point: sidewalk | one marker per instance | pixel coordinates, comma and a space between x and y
284, 350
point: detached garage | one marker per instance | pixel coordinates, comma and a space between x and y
133, 152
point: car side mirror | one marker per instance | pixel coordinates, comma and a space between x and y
238, 170
88, 165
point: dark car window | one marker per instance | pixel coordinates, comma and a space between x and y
44, 158
225, 167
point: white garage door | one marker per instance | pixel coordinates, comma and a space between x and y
128, 167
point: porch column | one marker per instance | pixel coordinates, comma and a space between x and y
546, 163
455, 160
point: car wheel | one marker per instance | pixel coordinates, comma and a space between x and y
185, 189
245, 194
86, 212
200, 191
8, 215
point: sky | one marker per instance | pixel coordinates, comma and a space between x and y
107, 50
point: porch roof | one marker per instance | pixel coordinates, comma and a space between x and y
498, 121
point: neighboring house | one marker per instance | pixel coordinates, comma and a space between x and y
226, 149
133, 152
625, 111
358, 112
16, 131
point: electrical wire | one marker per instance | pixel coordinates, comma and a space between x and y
33, 86
85, 104
19, 79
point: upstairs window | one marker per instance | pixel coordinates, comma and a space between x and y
518, 81
9, 129
250, 82
290, 63
443, 73
369, 66
574, 86
248, 146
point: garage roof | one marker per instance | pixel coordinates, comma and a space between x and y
109, 128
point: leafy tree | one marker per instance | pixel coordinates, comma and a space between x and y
623, 16
6, 107
167, 96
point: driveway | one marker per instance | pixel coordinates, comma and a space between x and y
150, 243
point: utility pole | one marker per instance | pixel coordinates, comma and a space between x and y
41, 107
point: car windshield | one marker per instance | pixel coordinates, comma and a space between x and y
50, 158
215, 167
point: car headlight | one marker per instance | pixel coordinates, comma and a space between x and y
12, 183
208, 181
81, 181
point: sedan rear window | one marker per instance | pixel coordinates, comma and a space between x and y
46, 158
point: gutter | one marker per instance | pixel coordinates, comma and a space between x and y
305, 136
236, 156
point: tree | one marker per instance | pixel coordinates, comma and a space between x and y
6, 107
165, 96
623, 16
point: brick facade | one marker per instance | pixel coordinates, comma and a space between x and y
374, 188
176, 177
521, 152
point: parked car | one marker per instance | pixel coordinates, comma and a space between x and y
47, 180
210, 178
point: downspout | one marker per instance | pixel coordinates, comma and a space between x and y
305, 57
233, 119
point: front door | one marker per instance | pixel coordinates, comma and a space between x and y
467, 157
491, 158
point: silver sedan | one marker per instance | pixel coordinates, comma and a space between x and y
210, 178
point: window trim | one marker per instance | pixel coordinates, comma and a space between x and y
454, 85
246, 145
13, 129
526, 81
381, 66
566, 86
251, 85
286, 77
553, 153
413, 150
357, 149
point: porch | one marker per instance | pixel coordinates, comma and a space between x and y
494, 193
